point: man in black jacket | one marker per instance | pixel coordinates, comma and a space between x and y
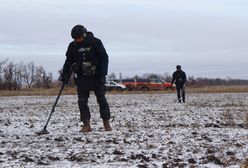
87, 57
179, 77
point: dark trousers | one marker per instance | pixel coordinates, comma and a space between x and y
180, 91
101, 100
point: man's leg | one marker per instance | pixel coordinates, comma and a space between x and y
83, 106
84, 109
178, 93
104, 106
183, 93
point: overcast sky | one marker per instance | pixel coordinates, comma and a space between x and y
209, 38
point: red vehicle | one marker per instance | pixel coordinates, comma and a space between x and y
147, 84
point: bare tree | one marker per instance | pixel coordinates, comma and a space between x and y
151, 75
18, 76
42, 79
191, 81
112, 76
29, 74
2, 64
39, 71
167, 77
8, 73
12, 76
47, 80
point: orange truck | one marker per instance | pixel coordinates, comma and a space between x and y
147, 84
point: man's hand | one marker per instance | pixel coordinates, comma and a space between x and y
184, 85
63, 78
75, 67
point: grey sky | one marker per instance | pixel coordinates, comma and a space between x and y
207, 37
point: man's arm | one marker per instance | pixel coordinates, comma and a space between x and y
184, 78
68, 63
102, 58
173, 78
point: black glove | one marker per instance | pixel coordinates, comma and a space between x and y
64, 78
61, 78
75, 67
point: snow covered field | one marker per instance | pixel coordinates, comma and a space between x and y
149, 130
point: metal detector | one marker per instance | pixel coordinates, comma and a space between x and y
44, 131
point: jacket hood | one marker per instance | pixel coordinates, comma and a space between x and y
89, 37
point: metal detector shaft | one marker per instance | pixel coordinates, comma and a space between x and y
53, 109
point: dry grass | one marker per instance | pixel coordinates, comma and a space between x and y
72, 91
228, 117
218, 89
38, 92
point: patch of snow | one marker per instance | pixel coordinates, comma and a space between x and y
149, 130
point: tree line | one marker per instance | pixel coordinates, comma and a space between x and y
16, 76
191, 80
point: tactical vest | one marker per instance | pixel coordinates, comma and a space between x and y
179, 77
85, 58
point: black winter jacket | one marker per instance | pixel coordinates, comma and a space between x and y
179, 77
90, 50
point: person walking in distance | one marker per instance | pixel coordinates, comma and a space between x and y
179, 77
88, 58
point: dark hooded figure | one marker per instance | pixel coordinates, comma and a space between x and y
87, 57
179, 77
